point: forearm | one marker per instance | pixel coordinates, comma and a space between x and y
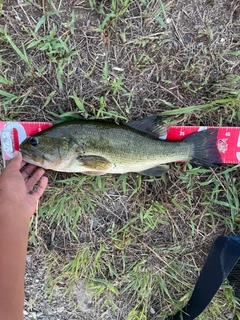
19, 194
13, 247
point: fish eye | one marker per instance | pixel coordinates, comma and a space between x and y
34, 141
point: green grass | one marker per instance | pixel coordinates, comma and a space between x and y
110, 16
134, 239
138, 279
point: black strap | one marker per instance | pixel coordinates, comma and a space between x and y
234, 279
223, 256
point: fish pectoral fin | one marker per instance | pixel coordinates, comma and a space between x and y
152, 125
155, 171
94, 163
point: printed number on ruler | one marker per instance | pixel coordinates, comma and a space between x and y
238, 144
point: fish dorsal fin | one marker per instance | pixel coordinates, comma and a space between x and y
94, 163
152, 125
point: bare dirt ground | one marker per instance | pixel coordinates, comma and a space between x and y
170, 54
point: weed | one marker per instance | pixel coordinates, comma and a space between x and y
115, 85
21, 53
10, 98
203, 107
57, 50
117, 10
4, 80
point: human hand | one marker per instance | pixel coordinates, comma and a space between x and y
16, 185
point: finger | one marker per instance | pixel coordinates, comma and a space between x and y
34, 178
28, 170
40, 189
23, 164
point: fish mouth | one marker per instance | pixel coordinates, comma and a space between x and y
30, 157
24, 153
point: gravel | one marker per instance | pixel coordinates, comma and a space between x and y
80, 306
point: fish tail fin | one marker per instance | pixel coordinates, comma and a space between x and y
205, 150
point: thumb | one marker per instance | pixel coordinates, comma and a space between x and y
16, 160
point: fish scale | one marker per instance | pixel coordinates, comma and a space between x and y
228, 139
85, 146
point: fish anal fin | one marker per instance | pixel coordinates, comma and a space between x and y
155, 171
152, 125
94, 173
94, 163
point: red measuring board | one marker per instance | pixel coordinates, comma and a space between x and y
228, 141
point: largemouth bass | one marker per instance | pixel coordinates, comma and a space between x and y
96, 147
